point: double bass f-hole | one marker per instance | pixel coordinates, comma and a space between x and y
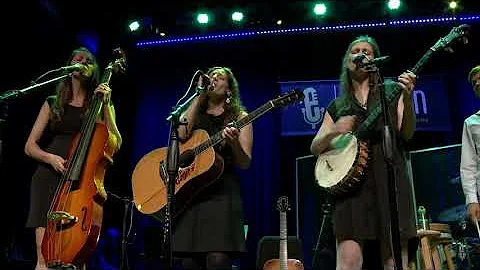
84, 210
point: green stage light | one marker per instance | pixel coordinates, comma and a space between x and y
237, 16
320, 9
394, 4
134, 26
452, 5
202, 18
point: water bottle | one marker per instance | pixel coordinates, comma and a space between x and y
423, 222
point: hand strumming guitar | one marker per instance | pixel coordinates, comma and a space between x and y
345, 124
231, 135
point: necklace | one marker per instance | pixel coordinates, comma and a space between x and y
364, 104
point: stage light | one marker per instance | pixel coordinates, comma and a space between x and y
134, 26
452, 5
237, 16
394, 4
202, 18
320, 9
315, 29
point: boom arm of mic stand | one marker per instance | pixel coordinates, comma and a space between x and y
16, 93
182, 107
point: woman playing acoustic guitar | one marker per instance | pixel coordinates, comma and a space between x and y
59, 119
209, 233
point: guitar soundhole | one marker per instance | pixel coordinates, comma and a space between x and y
186, 158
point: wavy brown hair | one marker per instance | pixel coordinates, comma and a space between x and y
235, 107
64, 93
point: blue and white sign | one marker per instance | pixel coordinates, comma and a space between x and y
429, 100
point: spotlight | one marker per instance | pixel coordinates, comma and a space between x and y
320, 9
237, 16
202, 18
134, 26
452, 5
394, 4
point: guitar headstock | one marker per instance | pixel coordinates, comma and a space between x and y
283, 205
288, 98
119, 62
460, 32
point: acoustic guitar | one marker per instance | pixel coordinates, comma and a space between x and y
199, 166
340, 170
283, 263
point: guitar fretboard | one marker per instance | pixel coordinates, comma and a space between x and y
217, 137
283, 241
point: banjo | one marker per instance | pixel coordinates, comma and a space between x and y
340, 170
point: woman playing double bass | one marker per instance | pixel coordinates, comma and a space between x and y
59, 119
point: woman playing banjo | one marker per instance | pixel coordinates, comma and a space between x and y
363, 216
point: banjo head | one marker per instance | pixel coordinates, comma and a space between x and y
333, 165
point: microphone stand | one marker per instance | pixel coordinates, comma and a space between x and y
172, 170
123, 256
10, 94
15, 93
388, 138
326, 210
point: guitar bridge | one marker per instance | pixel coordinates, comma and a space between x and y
62, 219
330, 168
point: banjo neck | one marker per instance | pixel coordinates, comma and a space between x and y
459, 32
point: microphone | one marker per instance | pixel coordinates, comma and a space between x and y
359, 58
362, 61
205, 81
75, 67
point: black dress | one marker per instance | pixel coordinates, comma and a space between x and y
365, 214
214, 220
45, 179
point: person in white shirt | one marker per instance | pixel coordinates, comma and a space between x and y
470, 154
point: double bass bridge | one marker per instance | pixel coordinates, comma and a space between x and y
62, 219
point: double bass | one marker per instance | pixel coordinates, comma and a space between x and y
74, 220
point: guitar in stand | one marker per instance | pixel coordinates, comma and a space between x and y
283, 263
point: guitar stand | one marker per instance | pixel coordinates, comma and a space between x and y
326, 210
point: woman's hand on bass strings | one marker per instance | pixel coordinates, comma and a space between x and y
57, 162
